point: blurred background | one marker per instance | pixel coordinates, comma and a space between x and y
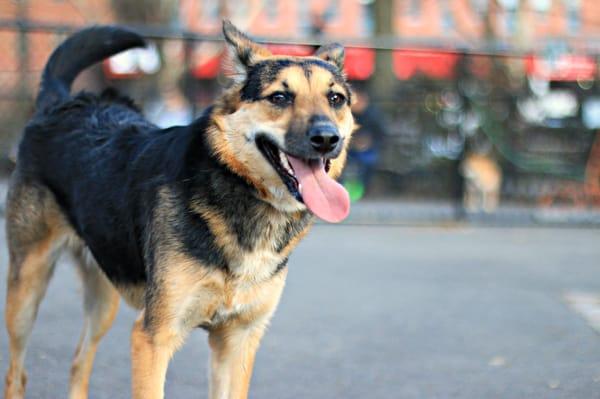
468, 108
468, 267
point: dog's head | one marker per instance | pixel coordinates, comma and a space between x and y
285, 124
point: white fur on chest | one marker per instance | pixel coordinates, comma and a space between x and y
256, 265
224, 313
251, 284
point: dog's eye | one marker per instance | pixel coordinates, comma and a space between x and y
336, 99
280, 99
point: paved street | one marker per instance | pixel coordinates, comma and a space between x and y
381, 312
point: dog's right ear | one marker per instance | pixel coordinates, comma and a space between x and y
244, 51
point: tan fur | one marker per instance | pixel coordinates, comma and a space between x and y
251, 266
234, 129
150, 356
133, 295
234, 343
36, 231
101, 303
483, 179
23, 298
295, 241
234, 310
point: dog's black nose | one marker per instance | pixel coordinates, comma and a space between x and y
324, 137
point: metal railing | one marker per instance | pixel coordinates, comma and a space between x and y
498, 48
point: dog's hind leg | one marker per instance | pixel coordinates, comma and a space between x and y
101, 302
35, 233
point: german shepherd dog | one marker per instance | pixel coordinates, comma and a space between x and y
193, 225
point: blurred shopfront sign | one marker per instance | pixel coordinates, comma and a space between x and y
133, 63
564, 67
434, 64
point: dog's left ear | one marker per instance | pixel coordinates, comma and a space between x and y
333, 53
245, 52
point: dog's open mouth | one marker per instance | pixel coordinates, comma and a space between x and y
281, 164
308, 182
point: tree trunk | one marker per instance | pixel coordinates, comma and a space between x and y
383, 81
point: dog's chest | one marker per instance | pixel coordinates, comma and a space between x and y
256, 265
230, 308
255, 249
260, 248
246, 296
252, 278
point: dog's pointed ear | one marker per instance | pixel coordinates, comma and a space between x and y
333, 53
244, 51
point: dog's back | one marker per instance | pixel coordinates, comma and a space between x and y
65, 128
78, 147
66, 131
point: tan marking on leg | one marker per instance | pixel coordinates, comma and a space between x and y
187, 296
101, 303
150, 355
27, 285
36, 229
235, 342
232, 361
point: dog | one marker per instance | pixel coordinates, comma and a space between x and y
483, 181
192, 225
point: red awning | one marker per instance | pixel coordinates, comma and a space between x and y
360, 63
207, 68
432, 63
290, 49
567, 67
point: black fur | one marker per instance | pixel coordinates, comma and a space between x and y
239, 40
107, 167
333, 52
263, 73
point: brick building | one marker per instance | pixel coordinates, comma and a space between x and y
39, 45
567, 26
453, 22
466, 19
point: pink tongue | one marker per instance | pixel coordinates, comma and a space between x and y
325, 197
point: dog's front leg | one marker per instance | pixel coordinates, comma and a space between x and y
234, 343
232, 359
151, 350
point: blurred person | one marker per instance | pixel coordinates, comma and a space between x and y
364, 149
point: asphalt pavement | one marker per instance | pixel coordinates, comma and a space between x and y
381, 312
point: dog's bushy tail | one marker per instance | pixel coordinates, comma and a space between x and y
79, 51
